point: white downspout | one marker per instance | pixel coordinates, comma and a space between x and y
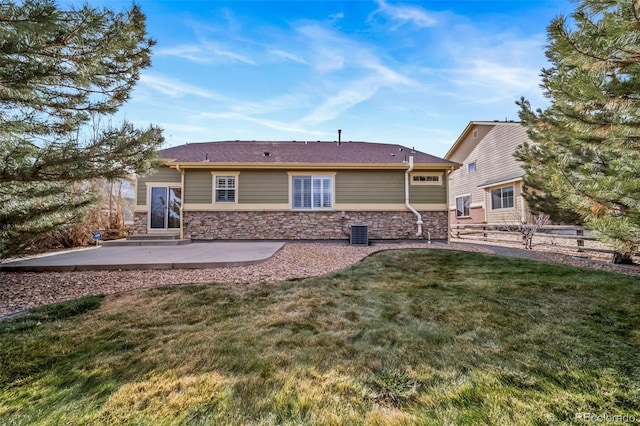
447, 176
406, 197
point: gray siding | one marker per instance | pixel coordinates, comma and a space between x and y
429, 194
198, 187
263, 187
367, 186
272, 187
163, 174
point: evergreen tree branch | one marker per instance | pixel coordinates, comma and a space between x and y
58, 71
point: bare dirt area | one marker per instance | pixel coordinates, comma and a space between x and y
24, 290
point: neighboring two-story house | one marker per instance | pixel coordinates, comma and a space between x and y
488, 186
294, 190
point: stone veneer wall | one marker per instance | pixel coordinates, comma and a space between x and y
320, 225
139, 223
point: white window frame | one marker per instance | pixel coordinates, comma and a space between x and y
501, 197
426, 178
322, 178
167, 186
217, 175
462, 197
472, 165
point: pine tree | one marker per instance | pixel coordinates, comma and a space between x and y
61, 72
586, 151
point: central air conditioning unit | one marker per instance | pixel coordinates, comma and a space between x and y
359, 235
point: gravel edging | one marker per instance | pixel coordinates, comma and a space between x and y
24, 290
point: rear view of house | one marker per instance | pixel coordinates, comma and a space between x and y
488, 186
294, 190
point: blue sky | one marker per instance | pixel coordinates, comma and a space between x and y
412, 73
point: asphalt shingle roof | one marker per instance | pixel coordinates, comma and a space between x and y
298, 152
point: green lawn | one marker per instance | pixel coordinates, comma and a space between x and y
404, 337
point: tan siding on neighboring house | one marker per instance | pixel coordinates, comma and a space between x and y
470, 143
508, 215
198, 186
368, 186
163, 174
494, 159
263, 187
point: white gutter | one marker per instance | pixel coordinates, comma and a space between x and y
406, 197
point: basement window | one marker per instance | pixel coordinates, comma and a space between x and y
426, 178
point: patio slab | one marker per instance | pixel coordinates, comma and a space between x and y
198, 255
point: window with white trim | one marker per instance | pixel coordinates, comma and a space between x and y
165, 203
225, 189
425, 179
463, 205
311, 192
471, 167
502, 198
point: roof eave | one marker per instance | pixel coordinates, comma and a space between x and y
502, 182
309, 166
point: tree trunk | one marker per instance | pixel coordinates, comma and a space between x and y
622, 259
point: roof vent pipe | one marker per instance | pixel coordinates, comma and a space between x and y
406, 197
339, 136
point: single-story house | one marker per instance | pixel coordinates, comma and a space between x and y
488, 186
294, 190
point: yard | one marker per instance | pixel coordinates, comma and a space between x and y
403, 337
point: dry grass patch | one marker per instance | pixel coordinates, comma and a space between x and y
405, 337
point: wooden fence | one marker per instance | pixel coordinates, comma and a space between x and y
567, 237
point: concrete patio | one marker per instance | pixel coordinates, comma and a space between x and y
198, 255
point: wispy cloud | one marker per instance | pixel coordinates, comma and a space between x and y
354, 93
327, 49
358, 91
272, 124
402, 15
384, 70
185, 133
294, 101
287, 56
488, 74
175, 88
357, 73
204, 53
233, 56
190, 52
346, 98
388, 76
491, 68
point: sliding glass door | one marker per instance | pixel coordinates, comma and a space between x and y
164, 207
